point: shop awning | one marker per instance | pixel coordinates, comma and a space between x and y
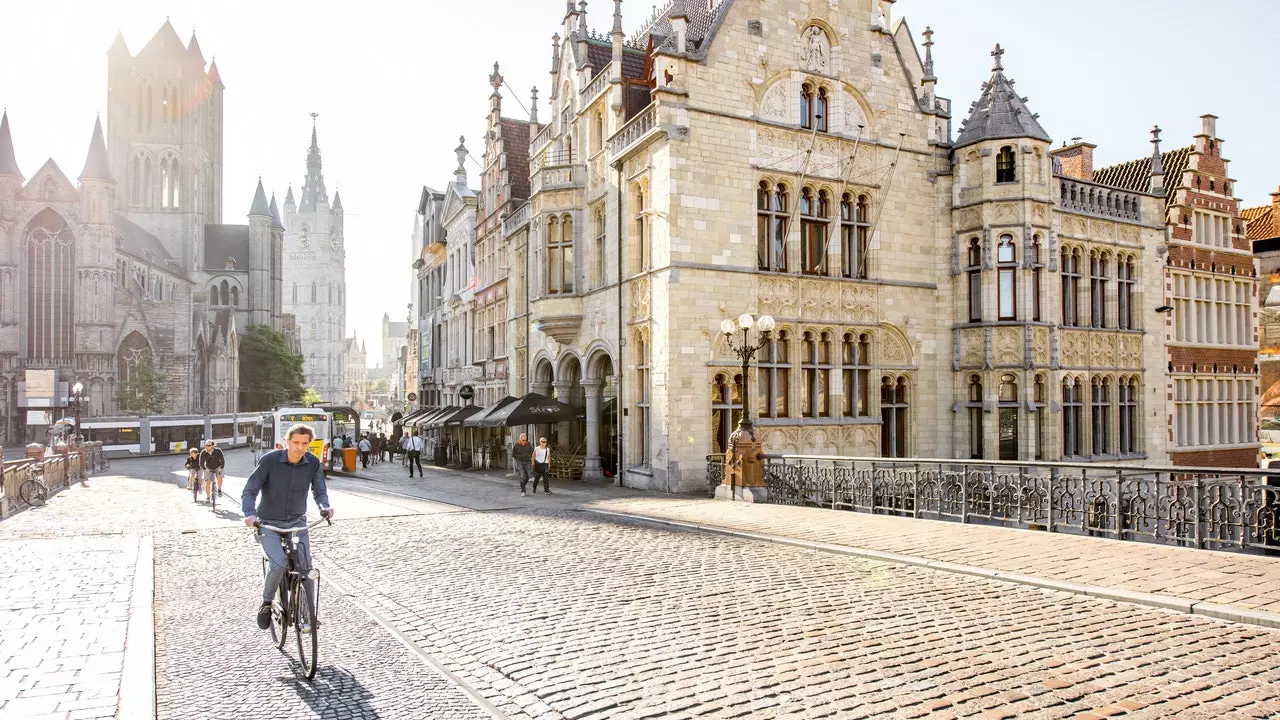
456, 419
420, 412
477, 420
532, 409
421, 421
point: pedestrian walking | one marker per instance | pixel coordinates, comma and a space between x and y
365, 448
541, 464
522, 456
414, 452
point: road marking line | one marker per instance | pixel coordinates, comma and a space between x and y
137, 694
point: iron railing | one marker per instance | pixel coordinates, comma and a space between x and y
715, 473
551, 159
1213, 508
56, 471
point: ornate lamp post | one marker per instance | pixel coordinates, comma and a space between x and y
743, 477
745, 350
76, 400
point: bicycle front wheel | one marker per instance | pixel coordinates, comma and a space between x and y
279, 618
305, 631
33, 492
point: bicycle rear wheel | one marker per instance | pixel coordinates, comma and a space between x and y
279, 618
305, 631
33, 492
213, 496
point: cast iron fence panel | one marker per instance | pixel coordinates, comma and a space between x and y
1215, 508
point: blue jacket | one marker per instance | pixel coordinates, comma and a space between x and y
284, 489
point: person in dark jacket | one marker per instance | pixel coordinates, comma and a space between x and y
283, 478
212, 463
522, 455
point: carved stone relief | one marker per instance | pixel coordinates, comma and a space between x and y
1040, 345
640, 298
815, 50
895, 349
1008, 346
853, 115
1130, 351
971, 344
859, 303
776, 102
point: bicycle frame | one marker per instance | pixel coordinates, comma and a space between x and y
293, 575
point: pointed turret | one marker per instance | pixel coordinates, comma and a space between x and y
260, 207
8, 162
214, 78
164, 43
1157, 164
193, 49
288, 197
1000, 113
96, 165
275, 215
337, 201
314, 194
118, 46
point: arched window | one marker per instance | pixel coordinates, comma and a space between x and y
1100, 413
1125, 281
1098, 289
771, 227
51, 274
1005, 165
134, 351
225, 297
974, 407
1037, 270
642, 231
773, 376
855, 227
855, 366
1072, 409
814, 211
806, 106
1128, 390
136, 194
600, 269
1008, 425
726, 409
820, 114
974, 271
148, 195
893, 417
560, 256
642, 402
313, 292
295, 292
1070, 286
235, 297
149, 105
1006, 272
816, 364
1041, 403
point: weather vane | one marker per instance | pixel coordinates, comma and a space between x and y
313, 118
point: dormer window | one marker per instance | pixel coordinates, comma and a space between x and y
1006, 165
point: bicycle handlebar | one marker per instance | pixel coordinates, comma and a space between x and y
324, 517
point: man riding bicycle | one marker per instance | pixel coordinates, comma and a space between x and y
212, 463
283, 478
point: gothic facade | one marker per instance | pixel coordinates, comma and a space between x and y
133, 261
315, 275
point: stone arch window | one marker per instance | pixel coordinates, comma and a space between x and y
1037, 271
855, 369
973, 270
821, 110
1070, 286
560, 256
642, 392
806, 106
855, 231
222, 294
1125, 282
726, 409
134, 350
313, 294
893, 416
1100, 415
1041, 403
597, 135
51, 274
1007, 278
1072, 410
235, 297
1006, 165
144, 107
170, 182
641, 225
815, 212
771, 226
1127, 389
973, 405
1098, 280
598, 248
170, 109
773, 376
815, 361
1007, 425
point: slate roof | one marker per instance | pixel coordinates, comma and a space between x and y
515, 142
700, 25
999, 113
260, 206
96, 164
8, 163
224, 241
193, 47
144, 246
1135, 175
275, 215
1263, 223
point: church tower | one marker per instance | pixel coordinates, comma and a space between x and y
164, 125
314, 277
95, 332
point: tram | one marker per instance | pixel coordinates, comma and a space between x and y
163, 434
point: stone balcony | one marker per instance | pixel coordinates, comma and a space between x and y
558, 316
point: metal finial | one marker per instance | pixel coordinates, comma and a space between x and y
496, 78
928, 52
998, 53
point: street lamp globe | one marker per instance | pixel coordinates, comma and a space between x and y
77, 388
745, 321
765, 323
727, 326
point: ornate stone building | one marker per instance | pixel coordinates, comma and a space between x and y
134, 261
1263, 231
355, 379
315, 277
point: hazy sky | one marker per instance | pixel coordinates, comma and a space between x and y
396, 83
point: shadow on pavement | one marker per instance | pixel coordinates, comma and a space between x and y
334, 689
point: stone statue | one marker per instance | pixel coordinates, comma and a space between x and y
814, 53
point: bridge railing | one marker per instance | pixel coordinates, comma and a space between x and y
56, 471
1214, 508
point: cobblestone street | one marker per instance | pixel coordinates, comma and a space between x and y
453, 597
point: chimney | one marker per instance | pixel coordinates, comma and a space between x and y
1209, 125
1076, 159
679, 19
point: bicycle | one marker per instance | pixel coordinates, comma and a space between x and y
33, 490
293, 603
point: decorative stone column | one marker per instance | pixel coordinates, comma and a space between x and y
561, 430
592, 469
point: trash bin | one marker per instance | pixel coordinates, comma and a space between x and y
348, 459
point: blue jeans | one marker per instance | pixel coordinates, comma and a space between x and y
525, 471
270, 541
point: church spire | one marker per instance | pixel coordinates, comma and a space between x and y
260, 206
313, 193
999, 113
8, 162
96, 166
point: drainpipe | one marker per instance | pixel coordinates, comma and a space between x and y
618, 406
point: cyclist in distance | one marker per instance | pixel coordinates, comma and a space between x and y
283, 478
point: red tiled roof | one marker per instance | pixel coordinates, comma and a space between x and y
1262, 222
1135, 175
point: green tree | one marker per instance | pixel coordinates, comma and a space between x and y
311, 397
143, 393
270, 375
